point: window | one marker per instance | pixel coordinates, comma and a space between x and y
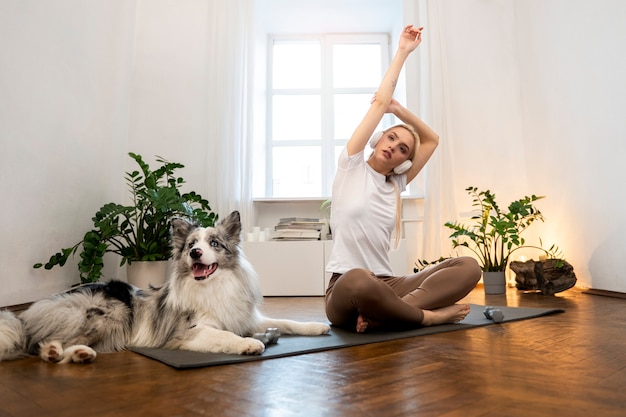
319, 88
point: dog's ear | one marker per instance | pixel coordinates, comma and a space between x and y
231, 227
180, 230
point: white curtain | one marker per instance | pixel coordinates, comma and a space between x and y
434, 107
231, 71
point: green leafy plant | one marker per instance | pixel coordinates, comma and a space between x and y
423, 263
496, 233
141, 231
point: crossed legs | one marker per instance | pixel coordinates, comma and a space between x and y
358, 299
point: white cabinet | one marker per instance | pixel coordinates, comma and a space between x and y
288, 268
291, 268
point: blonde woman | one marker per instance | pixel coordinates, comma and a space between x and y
363, 293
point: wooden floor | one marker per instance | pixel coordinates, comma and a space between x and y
570, 364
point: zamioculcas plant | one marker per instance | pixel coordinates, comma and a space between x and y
495, 233
139, 231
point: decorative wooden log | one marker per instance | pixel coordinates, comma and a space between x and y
548, 276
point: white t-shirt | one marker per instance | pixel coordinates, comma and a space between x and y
363, 216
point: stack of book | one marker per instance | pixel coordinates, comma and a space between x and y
298, 228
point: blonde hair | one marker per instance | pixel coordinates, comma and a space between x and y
398, 226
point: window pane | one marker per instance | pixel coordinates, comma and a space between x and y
296, 65
349, 111
356, 65
297, 171
296, 118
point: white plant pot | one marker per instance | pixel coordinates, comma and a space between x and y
494, 282
144, 274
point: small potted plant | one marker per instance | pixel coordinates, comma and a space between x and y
139, 231
495, 234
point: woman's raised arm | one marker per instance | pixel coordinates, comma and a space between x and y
409, 40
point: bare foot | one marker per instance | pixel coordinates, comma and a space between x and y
450, 314
362, 324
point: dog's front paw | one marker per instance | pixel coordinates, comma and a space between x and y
79, 354
317, 329
51, 351
250, 346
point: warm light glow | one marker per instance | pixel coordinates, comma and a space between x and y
522, 258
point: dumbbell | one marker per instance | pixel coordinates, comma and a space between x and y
270, 337
494, 314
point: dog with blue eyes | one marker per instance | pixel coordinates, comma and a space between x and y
210, 303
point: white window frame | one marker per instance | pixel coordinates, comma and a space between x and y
326, 92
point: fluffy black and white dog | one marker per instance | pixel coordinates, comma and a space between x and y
208, 304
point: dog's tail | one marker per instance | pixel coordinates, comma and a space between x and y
12, 337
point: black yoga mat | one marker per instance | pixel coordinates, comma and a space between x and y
338, 338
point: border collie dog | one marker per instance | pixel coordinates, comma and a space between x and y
208, 304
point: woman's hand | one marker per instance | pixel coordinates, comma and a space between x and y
394, 105
410, 38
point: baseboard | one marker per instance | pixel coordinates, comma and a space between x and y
605, 293
17, 308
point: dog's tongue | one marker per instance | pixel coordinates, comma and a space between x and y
202, 271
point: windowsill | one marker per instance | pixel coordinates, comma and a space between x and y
289, 199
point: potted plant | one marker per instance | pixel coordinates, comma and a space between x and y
495, 234
139, 231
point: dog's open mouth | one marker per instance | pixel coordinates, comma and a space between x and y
202, 271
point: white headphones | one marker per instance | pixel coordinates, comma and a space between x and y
400, 169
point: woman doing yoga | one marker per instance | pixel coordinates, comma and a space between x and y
363, 293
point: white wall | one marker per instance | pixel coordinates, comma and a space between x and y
573, 89
169, 114
82, 84
538, 97
485, 98
64, 84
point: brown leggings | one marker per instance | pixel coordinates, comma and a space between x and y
398, 300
